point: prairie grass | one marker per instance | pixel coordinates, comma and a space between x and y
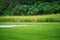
41, 18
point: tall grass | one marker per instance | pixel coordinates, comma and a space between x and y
41, 18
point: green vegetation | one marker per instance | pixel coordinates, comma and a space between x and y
42, 15
27, 23
29, 7
41, 18
37, 32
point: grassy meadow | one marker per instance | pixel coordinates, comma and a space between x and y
43, 27
29, 19
46, 31
41, 18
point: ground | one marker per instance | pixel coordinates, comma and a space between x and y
39, 31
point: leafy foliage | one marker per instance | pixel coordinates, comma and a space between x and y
29, 7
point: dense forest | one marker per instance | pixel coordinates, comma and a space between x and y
29, 7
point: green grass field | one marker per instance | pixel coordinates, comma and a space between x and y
46, 31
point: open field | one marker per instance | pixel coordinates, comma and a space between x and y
41, 18
28, 23
46, 31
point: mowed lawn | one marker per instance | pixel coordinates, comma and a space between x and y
46, 31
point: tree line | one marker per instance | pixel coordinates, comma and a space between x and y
29, 7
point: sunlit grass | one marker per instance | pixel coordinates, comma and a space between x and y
44, 31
